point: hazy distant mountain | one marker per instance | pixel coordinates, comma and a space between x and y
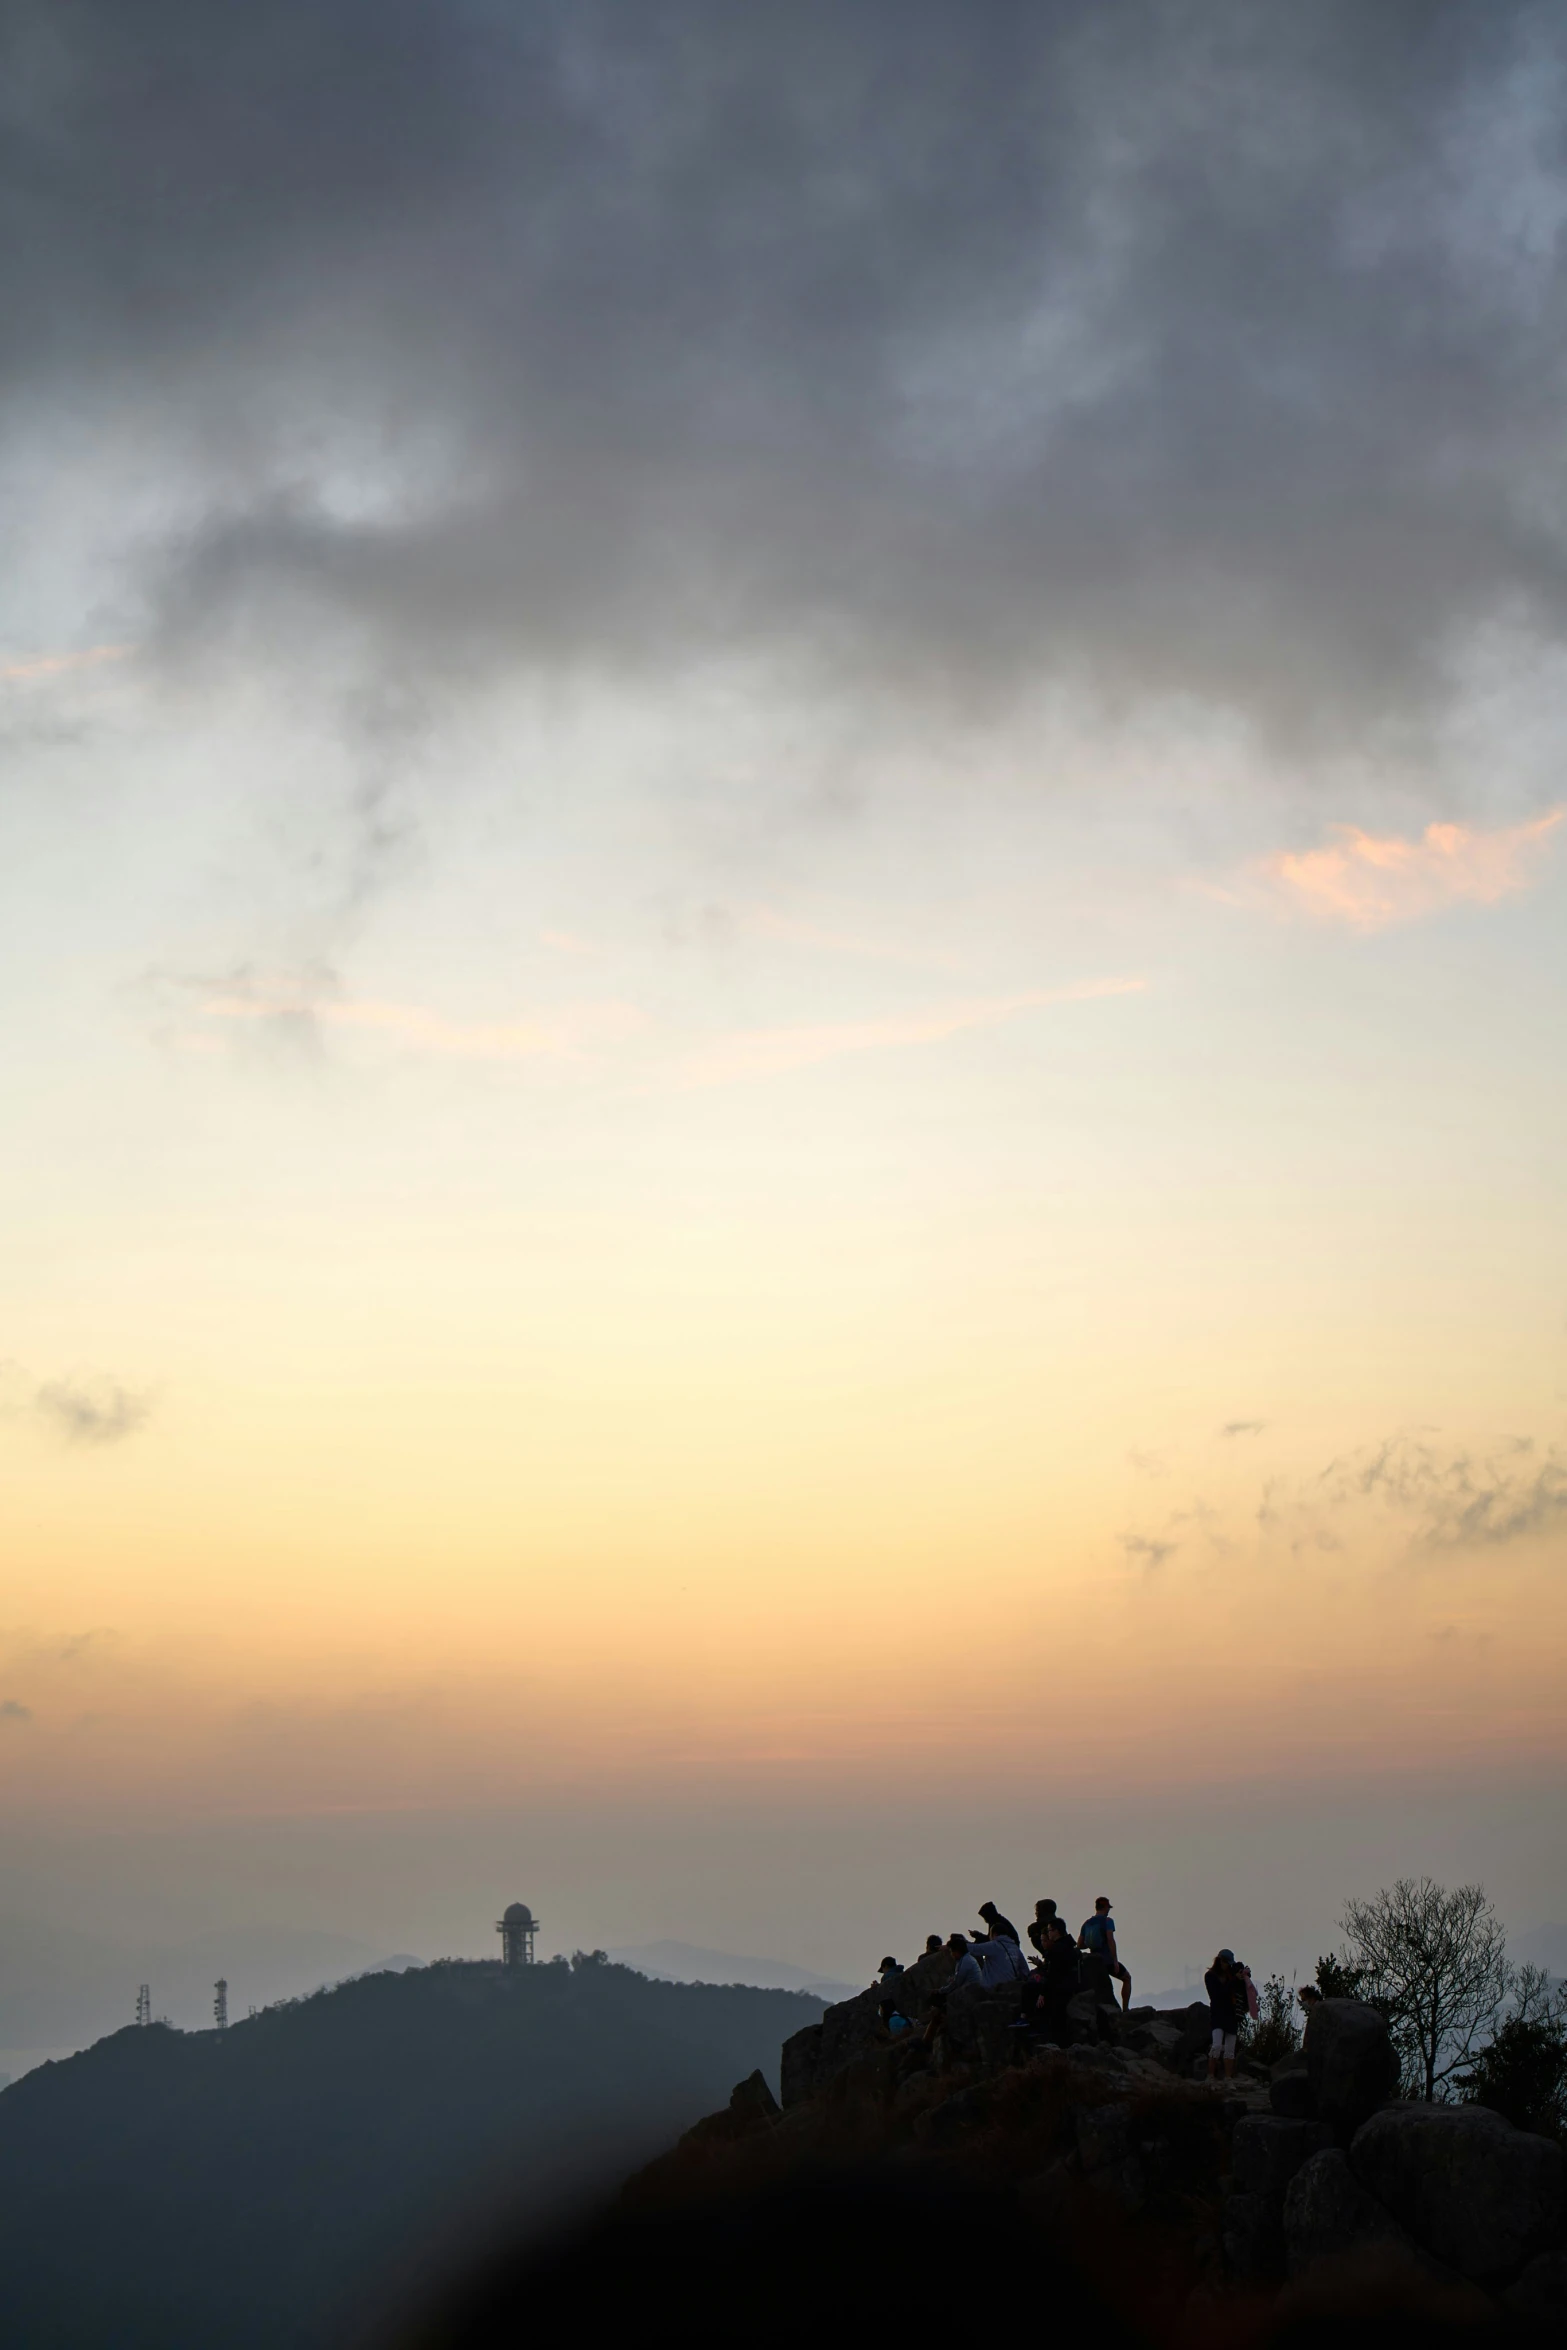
1541, 1946
290, 2180
65, 1990
687, 1962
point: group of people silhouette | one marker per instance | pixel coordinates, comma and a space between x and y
991, 1957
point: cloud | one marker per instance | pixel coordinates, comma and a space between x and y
814, 938
1243, 1427
770, 1052
91, 1412
1443, 1496
41, 665
1146, 1549
293, 1010
944, 344
562, 1034
1459, 1499
1369, 883
12, 1710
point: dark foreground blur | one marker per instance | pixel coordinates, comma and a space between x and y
868, 2254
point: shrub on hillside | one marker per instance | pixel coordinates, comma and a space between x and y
1273, 2033
1522, 2072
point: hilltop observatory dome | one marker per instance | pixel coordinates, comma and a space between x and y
516, 1929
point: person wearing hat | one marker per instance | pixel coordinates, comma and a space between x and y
1226, 1989
1104, 1960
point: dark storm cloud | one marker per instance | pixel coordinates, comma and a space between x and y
1212, 348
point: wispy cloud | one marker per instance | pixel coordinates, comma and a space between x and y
38, 665
298, 1007
1369, 881
79, 1408
1446, 1497
1146, 1550
560, 1034
825, 939
770, 1052
13, 1710
1243, 1427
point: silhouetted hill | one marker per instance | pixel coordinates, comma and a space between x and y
290, 2181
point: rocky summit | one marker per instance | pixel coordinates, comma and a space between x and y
1278, 2201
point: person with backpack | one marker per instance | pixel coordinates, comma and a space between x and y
1097, 1939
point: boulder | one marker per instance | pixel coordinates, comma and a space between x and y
979, 2024
1106, 2151
1252, 2238
1267, 2150
1469, 2188
849, 2029
1327, 2213
1539, 2296
1085, 2015
751, 2101
752, 2107
1289, 2090
1163, 2041
1350, 2063
1104, 2135
800, 2067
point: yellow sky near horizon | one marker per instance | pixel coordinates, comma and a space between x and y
996, 1298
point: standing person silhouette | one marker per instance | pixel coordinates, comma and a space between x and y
1058, 1984
1226, 1989
1039, 1931
1104, 1960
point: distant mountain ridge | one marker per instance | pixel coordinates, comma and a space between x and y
688, 1962
317, 2165
66, 1990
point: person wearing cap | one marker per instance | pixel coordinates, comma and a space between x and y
1226, 1989
889, 1971
1104, 1960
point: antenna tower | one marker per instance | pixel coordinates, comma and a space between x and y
144, 2005
220, 2005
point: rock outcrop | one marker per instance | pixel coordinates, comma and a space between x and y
1539, 2296
1469, 2189
1350, 2063
1328, 2213
1306, 2181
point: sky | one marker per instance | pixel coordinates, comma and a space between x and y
782, 864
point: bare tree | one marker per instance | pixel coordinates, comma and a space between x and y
1435, 1961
